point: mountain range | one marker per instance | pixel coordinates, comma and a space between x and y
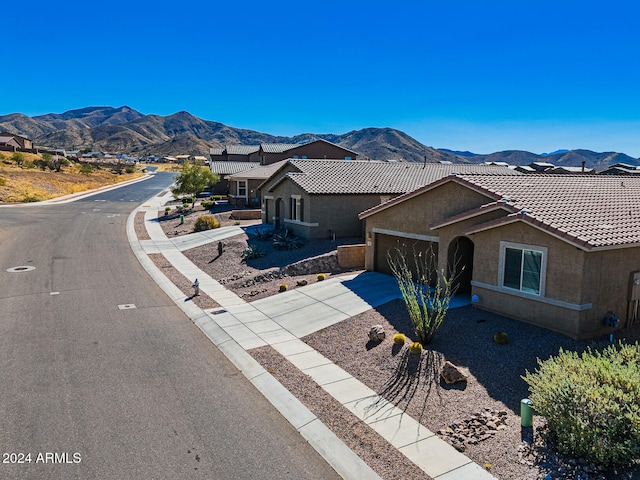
125, 130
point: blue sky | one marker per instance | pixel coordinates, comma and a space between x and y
465, 75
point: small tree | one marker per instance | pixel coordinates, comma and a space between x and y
193, 179
426, 296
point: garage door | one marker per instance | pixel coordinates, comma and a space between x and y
384, 243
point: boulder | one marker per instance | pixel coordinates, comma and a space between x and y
376, 333
452, 374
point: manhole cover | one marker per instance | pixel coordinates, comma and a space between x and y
22, 268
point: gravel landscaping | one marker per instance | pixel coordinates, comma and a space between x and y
490, 396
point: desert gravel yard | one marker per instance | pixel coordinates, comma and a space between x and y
491, 393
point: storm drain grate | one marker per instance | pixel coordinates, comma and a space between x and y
22, 268
126, 306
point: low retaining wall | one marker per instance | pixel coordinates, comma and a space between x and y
255, 214
351, 256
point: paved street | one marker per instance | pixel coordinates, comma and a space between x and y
97, 361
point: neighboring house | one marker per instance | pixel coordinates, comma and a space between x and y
558, 251
23, 142
224, 169
573, 170
268, 153
541, 166
322, 198
244, 186
9, 142
621, 169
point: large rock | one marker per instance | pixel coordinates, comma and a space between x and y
452, 374
376, 333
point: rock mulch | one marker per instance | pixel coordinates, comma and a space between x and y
479, 427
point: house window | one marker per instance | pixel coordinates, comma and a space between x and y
296, 208
347, 158
242, 188
523, 267
295, 157
304, 157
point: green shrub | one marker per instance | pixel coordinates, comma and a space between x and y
205, 222
129, 169
208, 204
28, 197
251, 252
86, 169
501, 338
591, 402
185, 200
3, 181
17, 157
321, 277
283, 287
29, 164
399, 339
415, 348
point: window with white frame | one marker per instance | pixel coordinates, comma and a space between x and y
523, 267
296, 208
242, 188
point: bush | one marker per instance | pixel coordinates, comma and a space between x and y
186, 200
286, 241
415, 348
3, 181
86, 169
501, 338
263, 235
208, 205
321, 277
591, 402
129, 169
17, 157
283, 287
205, 222
251, 252
399, 339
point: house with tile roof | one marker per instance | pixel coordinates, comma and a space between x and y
244, 185
224, 169
322, 198
268, 153
558, 251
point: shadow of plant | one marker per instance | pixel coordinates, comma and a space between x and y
412, 373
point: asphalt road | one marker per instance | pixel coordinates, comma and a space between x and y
94, 390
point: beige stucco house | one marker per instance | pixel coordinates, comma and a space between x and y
559, 251
322, 198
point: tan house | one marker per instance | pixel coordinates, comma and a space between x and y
224, 169
322, 198
15, 141
558, 251
244, 186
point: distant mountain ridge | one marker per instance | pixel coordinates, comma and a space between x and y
125, 130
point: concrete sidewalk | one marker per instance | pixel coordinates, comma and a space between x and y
280, 321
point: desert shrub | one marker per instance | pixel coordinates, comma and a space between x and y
186, 200
29, 198
283, 287
591, 402
17, 157
286, 241
399, 339
28, 164
501, 338
129, 169
3, 181
185, 206
215, 197
415, 348
263, 235
205, 222
251, 252
208, 204
86, 169
321, 277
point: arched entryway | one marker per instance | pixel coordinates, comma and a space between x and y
460, 263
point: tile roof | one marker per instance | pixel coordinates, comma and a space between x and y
216, 151
373, 177
227, 168
260, 172
584, 210
241, 149
278, 147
